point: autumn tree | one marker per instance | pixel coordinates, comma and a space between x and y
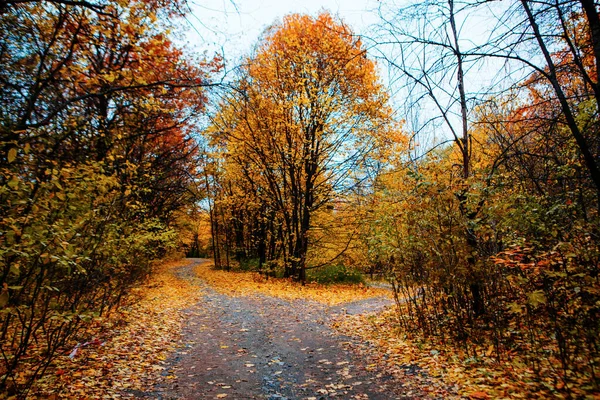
97, 107
306, 111
555, 45
495, 231
425, 47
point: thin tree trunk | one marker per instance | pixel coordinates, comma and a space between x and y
584, 148
465, 145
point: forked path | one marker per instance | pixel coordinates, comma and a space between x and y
260, 347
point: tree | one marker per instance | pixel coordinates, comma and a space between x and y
96, 112
306, 111
555, 45
481, 240
425, 44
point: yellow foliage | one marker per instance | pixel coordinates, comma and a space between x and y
251, 283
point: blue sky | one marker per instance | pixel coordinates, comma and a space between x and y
234, 26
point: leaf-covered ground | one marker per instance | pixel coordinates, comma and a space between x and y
479, 376
249, 283
125, 353
194, 332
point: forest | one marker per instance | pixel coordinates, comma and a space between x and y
453, 153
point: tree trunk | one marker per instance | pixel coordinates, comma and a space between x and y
465, 147
589, 158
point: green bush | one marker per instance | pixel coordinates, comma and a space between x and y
248, 264
335, 274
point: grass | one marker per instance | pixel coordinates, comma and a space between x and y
335, 274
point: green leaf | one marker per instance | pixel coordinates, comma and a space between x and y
14, 269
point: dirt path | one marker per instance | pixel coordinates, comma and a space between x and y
260, 347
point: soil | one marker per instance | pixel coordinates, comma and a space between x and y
260, 347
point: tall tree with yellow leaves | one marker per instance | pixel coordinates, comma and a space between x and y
306, 112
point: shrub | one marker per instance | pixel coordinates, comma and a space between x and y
335, 274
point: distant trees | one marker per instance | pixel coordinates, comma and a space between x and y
96, 106
304, 116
